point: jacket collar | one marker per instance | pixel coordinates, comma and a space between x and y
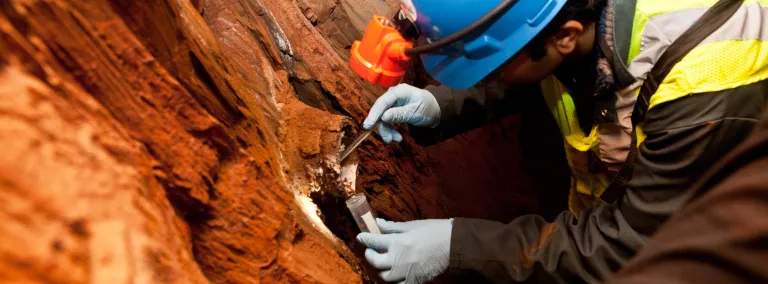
623, 18
613, 35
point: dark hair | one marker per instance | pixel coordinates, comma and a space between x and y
583, 11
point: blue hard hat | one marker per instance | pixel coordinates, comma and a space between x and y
473, 57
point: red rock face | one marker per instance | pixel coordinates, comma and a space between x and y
134, 145
177, 141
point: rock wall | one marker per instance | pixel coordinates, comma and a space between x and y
177, 141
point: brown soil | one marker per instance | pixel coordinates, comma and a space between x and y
178, 141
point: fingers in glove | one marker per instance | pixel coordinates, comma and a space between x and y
383, 103
389, 134
392, 276
389, 227
375, 241
380, 261
396, 136
398, 115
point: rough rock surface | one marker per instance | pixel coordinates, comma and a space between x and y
178, 141
134, 154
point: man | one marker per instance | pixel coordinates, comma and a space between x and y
601, 51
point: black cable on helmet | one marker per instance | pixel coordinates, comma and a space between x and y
505, 4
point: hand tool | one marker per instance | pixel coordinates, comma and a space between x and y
358, 140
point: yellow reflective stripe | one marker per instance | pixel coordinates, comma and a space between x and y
581, 142
565, 114
715, 67
585, 187
640, 135
657, 7
638, 27
563, 110
646, 9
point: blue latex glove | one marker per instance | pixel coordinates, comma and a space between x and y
409, 252
403, 104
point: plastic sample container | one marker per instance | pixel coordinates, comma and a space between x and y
362, 214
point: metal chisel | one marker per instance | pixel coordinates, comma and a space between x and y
358, 140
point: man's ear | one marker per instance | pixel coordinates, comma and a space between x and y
567, 39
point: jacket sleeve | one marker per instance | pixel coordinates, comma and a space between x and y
464, 110
720, 224
684, 138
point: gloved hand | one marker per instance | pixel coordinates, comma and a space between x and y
409, 252
403, 103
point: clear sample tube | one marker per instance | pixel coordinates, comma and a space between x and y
362, 213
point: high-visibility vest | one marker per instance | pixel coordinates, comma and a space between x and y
735, 55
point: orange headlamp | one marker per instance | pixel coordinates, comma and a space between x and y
383, 54
380, 57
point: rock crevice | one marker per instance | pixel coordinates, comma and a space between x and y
178, 141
